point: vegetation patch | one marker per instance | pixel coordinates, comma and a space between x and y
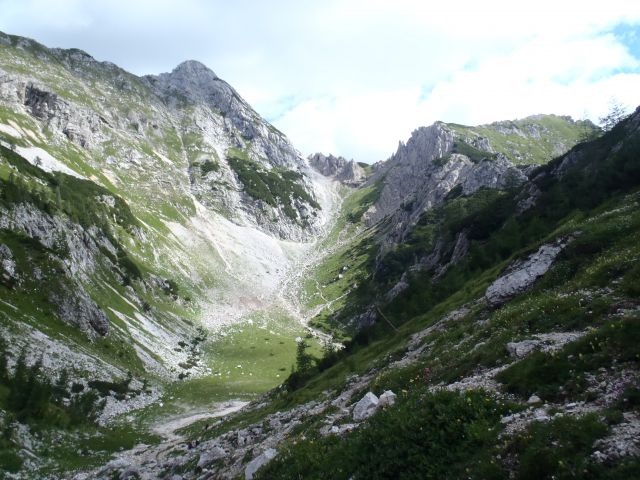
426, 435
474, 154
276, 187
209, 166
560, 376
558, 449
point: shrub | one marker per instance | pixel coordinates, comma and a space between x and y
558, 449
209, 166
426, 435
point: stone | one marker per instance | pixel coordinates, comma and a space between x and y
258, 462
522, 349
534, 399
387, 399
366, 407
211, 455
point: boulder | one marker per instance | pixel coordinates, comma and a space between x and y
366, 407
258, 462
534, 399
522, 349
388, 398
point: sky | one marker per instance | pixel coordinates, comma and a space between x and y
355, 77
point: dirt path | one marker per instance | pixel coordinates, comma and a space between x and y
149, 455
167, 427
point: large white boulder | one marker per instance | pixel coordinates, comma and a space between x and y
365, 407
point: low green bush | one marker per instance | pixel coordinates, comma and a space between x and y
426, 435
559, 449
561, 375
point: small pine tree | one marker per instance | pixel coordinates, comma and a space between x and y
303, 359
60, 390
617, 113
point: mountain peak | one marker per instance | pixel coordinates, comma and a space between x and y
194, 68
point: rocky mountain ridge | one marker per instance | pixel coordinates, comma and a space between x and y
188, 115
444, 159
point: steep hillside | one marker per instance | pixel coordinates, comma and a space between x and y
518, 360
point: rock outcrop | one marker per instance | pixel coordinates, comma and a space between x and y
345, 171
77, 308
7, 265
521, 275
425, 170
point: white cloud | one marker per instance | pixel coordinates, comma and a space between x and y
354, 77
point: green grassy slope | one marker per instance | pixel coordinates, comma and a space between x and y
532, 140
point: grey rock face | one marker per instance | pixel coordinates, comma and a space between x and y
521, 275
79, 124
366, 407
7, 263
77, 308
422, 172
258, 462
58, 233
368, 318
339, 168
397, 289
